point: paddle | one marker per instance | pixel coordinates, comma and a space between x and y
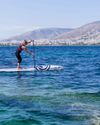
34, 60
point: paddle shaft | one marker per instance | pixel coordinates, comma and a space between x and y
34, 60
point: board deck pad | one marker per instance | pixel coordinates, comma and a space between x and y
36, 68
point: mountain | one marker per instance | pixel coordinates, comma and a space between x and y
86, 31
47, 33
85, 35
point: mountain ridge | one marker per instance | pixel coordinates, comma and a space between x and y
46, 33
89, 28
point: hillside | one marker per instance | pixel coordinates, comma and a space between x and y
88, 30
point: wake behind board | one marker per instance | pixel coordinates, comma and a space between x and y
36, 68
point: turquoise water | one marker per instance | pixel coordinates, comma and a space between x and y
67, 97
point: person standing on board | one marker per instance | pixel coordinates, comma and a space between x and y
22, 47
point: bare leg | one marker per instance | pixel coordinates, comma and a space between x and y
18, 66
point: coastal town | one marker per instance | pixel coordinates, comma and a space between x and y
82, 41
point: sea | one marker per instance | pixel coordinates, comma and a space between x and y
66, 97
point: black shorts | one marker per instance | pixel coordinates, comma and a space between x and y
19, 58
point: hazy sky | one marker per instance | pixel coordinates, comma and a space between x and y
19, 16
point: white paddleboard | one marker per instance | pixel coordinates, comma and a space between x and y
36, 68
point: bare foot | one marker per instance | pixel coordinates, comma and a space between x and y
19, 67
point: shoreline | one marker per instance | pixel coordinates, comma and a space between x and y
45, 42
1, 45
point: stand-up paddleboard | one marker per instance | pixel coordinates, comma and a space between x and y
36, 68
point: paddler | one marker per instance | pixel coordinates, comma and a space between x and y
20, 48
